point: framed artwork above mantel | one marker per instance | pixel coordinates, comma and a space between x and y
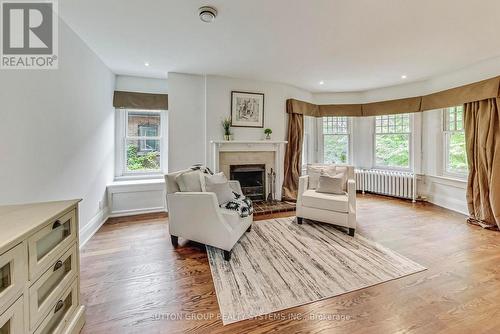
247, 109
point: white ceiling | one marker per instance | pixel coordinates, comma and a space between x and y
351, 45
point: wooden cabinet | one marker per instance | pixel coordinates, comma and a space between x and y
40, 269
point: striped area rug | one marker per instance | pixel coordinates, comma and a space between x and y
280, 264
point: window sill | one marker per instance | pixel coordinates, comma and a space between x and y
131, 177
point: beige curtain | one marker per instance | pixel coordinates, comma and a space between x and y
293, 153
482, 135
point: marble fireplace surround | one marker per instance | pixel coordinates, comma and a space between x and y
267, 152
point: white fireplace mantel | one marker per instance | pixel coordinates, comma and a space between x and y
253, 146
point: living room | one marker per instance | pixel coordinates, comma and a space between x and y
249, 167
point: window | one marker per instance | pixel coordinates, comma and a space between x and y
455, 157
336, 133
392, 141
143, 140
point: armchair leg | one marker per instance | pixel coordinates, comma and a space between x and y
299, 220
351, 232
175, 240
227, 255
249, 228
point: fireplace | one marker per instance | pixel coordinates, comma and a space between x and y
252, 180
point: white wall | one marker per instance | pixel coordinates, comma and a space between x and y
57, 131
142, 85
197, 105
186, 121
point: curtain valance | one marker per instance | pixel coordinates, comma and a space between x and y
133, 100
477, 91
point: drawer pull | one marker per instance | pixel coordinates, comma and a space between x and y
59, 306
56, 224
58, 265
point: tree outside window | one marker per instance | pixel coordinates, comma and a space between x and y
392, 141
336, 132
454, 142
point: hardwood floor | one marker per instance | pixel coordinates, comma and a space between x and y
133, 281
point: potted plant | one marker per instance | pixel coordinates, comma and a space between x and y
268, 132
226, 125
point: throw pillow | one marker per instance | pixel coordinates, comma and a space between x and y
222, 190
331, 184
314, 171
214, 178
189, 181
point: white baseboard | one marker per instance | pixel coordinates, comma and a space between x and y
134, 212
93, 226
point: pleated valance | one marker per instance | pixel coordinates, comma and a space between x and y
133, 100
477, 91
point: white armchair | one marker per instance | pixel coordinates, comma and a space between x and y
328, 208
197, 216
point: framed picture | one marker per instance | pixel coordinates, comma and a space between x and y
247, 109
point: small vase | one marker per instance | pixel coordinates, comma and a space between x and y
227, 137
268, 137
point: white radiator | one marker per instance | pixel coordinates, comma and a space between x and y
384, 182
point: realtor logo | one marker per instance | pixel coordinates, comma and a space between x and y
29, 35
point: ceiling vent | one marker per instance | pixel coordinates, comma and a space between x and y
207, 14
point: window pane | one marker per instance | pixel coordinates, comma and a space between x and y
334, 125
336, 148
392, 150
143, 124
143, 155
457, 157
392, 124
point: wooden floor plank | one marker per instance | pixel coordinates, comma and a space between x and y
134, 281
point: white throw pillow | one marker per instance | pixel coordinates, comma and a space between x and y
315, 170
331, 184
189, 181
219, 185
213, 178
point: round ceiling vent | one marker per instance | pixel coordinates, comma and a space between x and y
207, 14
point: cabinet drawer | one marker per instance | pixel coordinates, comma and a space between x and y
13, 273
43, 293
12, 321
60, 311
46, 245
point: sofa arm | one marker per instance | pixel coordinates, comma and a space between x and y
303, 184
192, 211
351, 194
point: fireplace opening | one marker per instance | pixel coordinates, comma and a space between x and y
252, 180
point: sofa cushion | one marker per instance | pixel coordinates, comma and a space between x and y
332, 202
189, 181
315, 170
331, 184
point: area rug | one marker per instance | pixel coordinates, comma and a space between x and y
280, 264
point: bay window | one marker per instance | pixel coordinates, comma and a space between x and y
455, 157
335, 139
393, 141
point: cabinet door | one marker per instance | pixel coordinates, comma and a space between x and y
12, 320
13, 273
47, 245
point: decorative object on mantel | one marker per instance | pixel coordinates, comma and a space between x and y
226, 125
268, 132
272, 186
247, 109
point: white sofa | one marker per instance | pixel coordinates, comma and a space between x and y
197, 216
328, 208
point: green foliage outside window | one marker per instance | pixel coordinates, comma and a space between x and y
147, 161
393, 150
457, 157
336, 148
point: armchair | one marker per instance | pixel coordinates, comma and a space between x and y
328, 208
197, 216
